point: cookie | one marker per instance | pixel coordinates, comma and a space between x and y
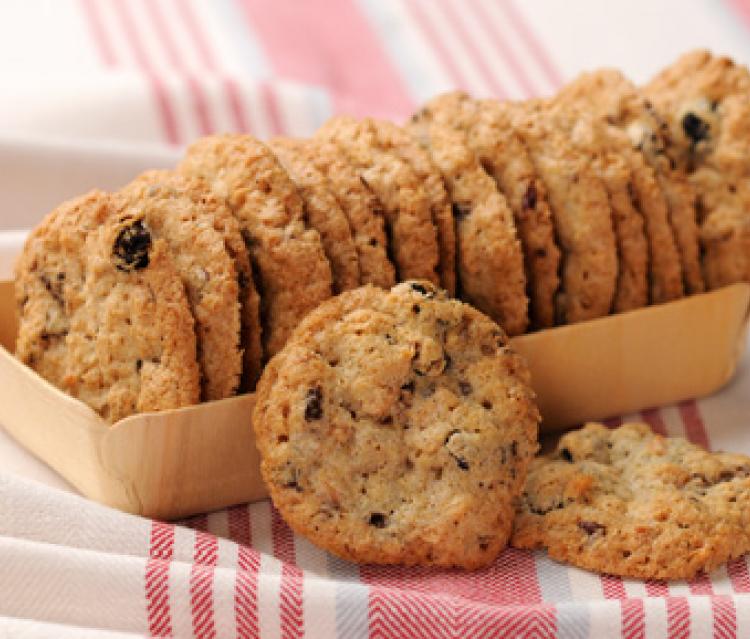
661, 193
412, 234
394, 138
323, 213
629, 502
396, 427
581, 213
596, 141
503, 155
293, 273
362, 208
117, 333
706, 101
490, 257
161, 202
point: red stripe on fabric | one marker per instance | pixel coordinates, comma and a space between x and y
205, 558
234, 97
246, 583
742, 9
738, 574
98, 33
654, 418
725, 617
612, 587
480, 59
290, 591
701, 585
633, 618
335, 48
695, 429
197, 97
540, 54
678, 618
657, 589
516, 68
161, 550
161, 95
438, 46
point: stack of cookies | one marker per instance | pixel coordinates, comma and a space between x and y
605, 198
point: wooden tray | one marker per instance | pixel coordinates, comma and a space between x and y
176, 463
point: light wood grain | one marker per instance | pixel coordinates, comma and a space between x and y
176, 463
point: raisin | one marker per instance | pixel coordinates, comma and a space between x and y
591, 527
566, 455
378, 520
465, 388
416, 309
313, 409
408, 387
460, 462
131, 247
529, 198
695, 128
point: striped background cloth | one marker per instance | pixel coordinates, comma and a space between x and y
167, 71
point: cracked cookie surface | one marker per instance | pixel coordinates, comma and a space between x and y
396, 427
629, 502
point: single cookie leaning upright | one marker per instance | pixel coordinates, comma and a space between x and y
490, 257
665, 198
162, 202
503, 155
412, 234
360, 205
396, 428
394, 138
322, 212
120, 332
581, 212
706, 100
294, 275
629, 502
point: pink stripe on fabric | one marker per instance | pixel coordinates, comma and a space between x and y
738, 574
612, 587
695, 429
514, 63
653, 417
290, 593
438, 46
161, 96
197, 97
272, 108
742, 9
234, 97
335, 48
205, 558
480, 59
701, 585
725, 617
248, 567
678, 618
161, 549
98, 33
535, 47
633, 618
657, 588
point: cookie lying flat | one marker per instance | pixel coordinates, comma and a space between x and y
323, 213
412, 234
163, 202
631, 503
668, 207
396, 427
294, 275
362, 208
503, 155
706, 100
123, 338
490, 257
582, 215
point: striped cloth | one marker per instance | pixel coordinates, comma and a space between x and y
165, 71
